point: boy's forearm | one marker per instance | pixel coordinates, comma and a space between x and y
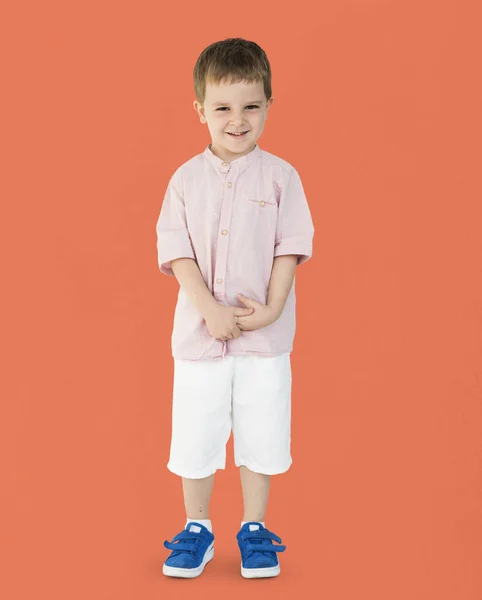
189, 276
282, 275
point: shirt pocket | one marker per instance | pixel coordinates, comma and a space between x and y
260, 218
261, 213
263, 203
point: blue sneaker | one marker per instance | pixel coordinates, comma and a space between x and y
258, 553
191, 550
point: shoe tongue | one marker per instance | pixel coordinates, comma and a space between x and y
253, 527
195, 528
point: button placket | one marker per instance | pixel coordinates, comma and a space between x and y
223, 241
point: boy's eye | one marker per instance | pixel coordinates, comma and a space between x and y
251, 105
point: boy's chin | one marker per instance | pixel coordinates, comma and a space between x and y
235, 146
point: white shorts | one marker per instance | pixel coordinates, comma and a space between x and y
249, 394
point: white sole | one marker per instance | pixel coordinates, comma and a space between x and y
187, 573
265, 572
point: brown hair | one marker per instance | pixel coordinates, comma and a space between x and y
231, 61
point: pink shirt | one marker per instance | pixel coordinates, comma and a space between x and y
233, 219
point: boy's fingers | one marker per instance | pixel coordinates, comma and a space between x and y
240, 312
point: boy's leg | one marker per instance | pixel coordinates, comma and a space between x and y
201, 425
255, 494
261, 426
197, 494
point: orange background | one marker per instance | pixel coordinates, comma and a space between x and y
378, 105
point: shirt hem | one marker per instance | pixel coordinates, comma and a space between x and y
240, 353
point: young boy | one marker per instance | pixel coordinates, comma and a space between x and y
233, 226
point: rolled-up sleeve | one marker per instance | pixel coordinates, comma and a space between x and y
295, 230
173, 239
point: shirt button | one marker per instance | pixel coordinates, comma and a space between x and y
229, 184
219, 280
261, 202
224, 232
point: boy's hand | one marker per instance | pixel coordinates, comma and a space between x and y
263, 315
221, 321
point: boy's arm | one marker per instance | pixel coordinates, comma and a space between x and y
281, 280
189, 276
294, 230
294, 240
282, 275
173, 239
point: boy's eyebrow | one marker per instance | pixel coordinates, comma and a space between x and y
223, 103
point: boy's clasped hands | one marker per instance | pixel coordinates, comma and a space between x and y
227, 322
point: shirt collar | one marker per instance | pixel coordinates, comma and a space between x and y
242, 161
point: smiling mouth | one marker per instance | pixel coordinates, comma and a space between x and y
240, 134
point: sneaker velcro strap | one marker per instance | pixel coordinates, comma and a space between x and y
263, 535
185, 535
264, 548
182, 546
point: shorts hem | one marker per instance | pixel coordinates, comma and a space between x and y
197, 474
263, 470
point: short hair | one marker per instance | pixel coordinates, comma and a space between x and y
231, 61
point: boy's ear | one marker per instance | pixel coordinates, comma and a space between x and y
268, 104
199, 109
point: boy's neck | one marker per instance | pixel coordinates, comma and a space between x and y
230, 156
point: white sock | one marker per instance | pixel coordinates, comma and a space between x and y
206, 522
252, 527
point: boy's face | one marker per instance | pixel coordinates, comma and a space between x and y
234, 107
